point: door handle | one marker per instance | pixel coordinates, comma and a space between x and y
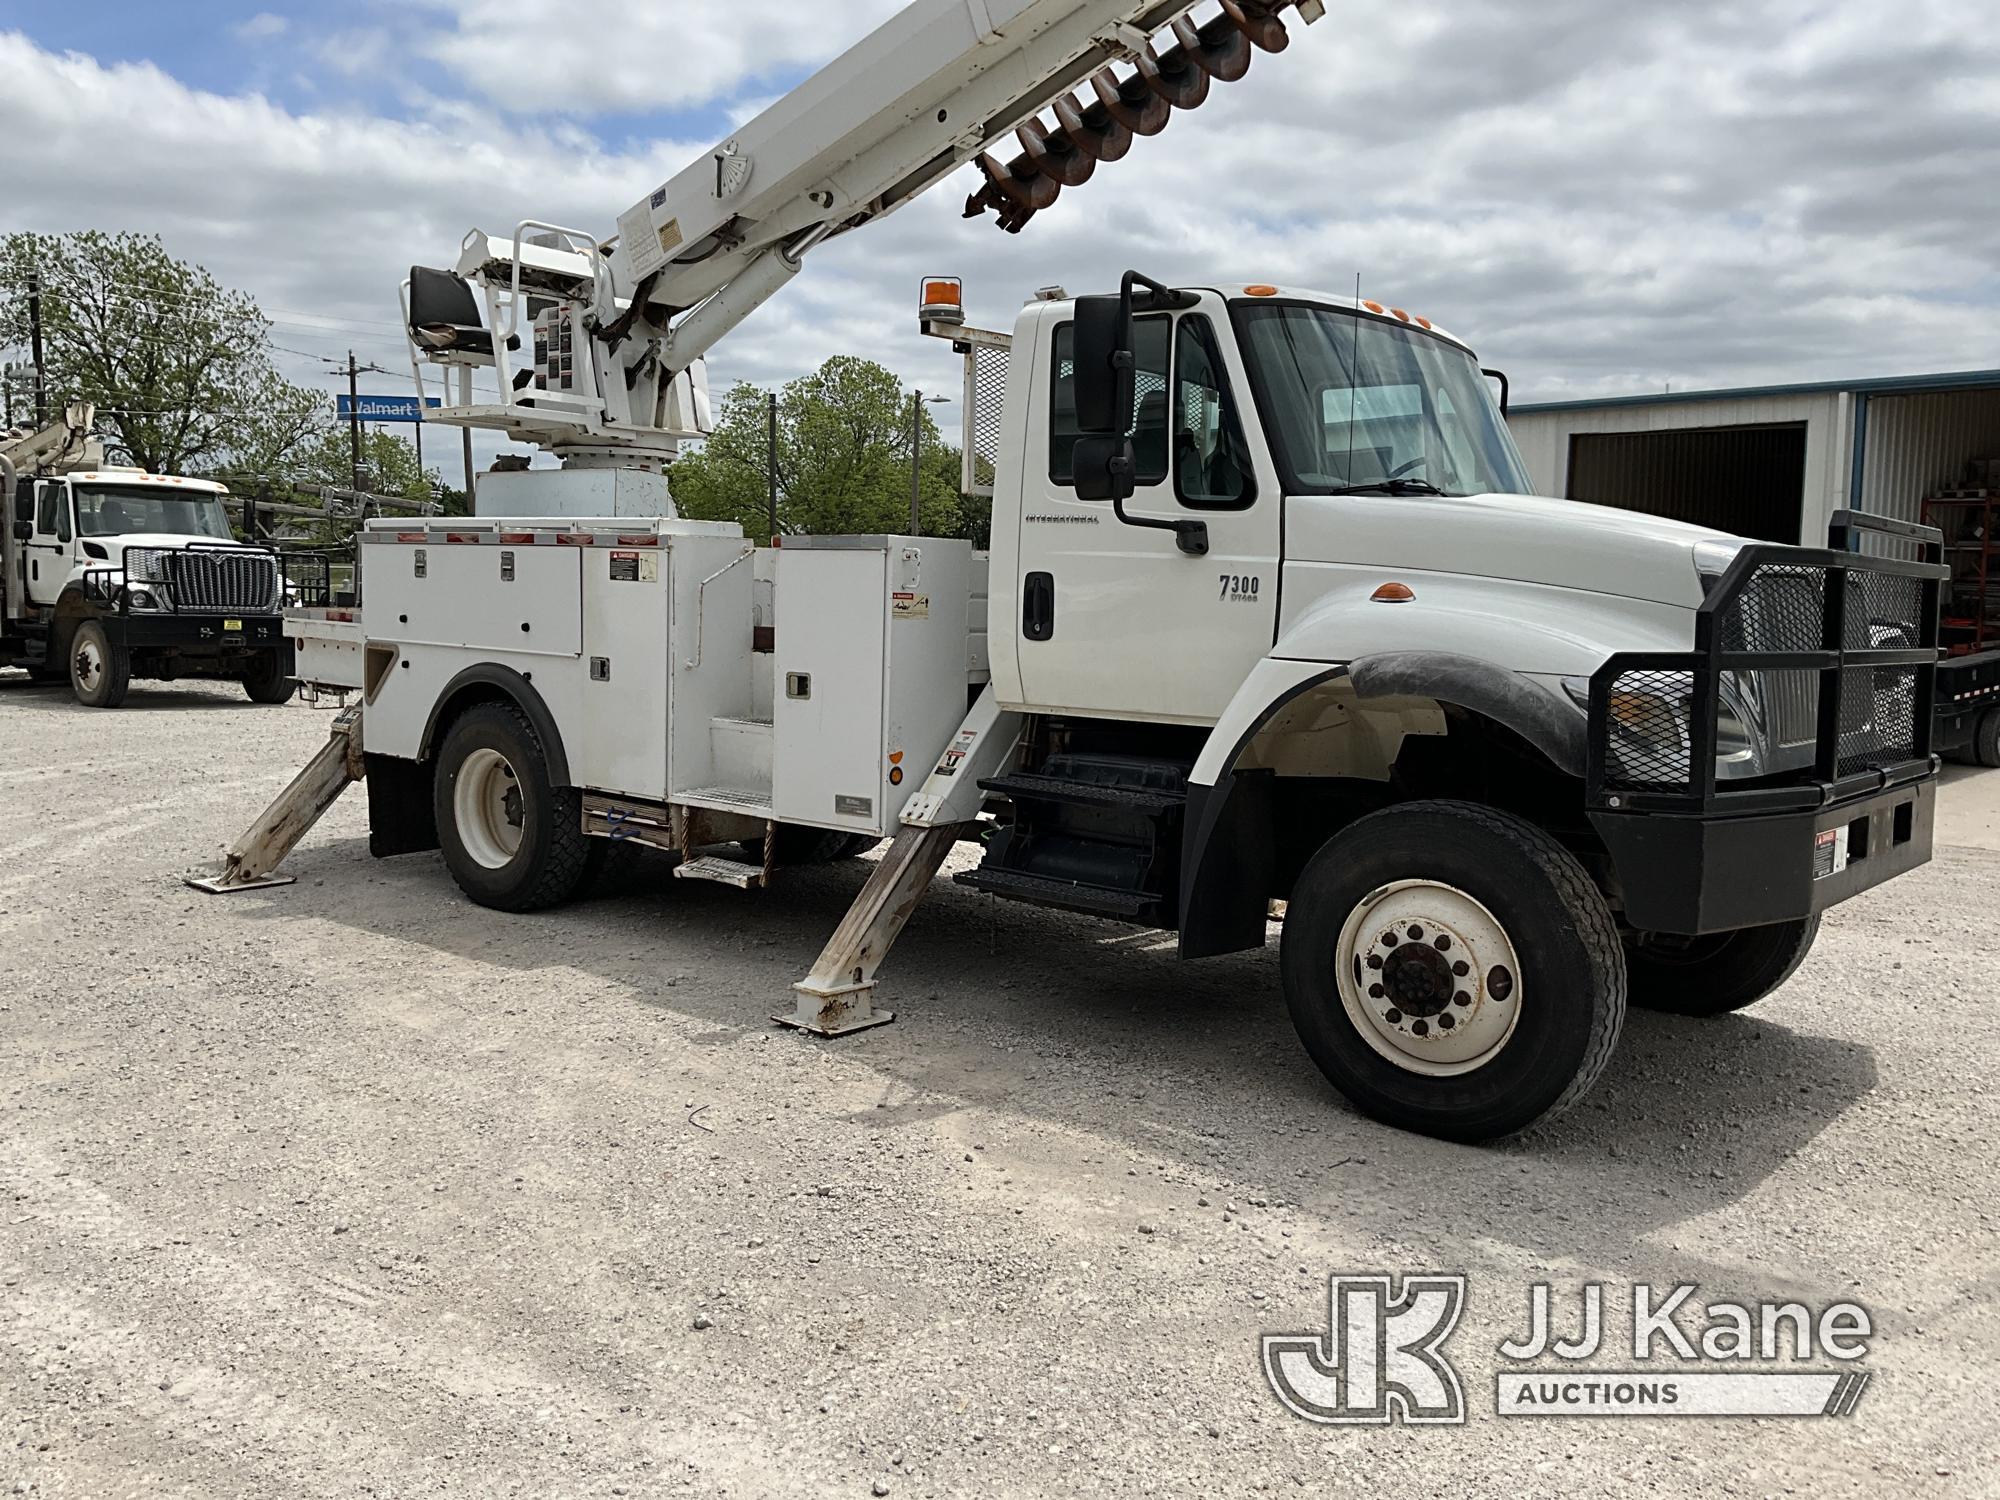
1038, 606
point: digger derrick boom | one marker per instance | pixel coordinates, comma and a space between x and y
622, 324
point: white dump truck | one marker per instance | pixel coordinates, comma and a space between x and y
110, 573
1268, 617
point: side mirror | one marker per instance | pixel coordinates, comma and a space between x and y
1104, 468
1104, 367
24, 531
24, 503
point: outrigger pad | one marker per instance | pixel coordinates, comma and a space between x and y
222, 885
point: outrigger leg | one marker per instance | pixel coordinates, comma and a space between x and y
266, 842
836, 997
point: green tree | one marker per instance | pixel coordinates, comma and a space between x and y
843, 460
178, 365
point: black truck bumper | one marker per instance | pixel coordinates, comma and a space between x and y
1694, 874
198, 635
1827, 661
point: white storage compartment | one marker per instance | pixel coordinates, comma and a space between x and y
869, 674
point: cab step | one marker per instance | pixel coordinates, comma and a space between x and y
722, 871
1096, 834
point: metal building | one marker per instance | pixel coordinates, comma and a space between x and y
1771, 462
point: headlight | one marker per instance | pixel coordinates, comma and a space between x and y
1650, 739
142, 599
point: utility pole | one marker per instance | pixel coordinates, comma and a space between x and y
916, 463
771, 459
35, 349
466, 434
354, 415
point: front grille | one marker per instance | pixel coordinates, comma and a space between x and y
220, 581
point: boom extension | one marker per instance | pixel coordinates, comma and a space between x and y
620, 326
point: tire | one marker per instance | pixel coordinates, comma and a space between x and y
1515, 1032
100, 673
1986, 738
1712, 976
511, 839
799, 845
267, 681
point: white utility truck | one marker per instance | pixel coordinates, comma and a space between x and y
110, 573
1267, 618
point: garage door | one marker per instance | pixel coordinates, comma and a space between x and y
1748, 480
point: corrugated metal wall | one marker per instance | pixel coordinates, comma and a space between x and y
1918, 445
1749, 480
1545, 439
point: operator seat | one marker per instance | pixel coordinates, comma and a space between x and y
444, 316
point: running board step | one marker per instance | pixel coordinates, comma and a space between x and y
1026, 786
1064, 895
722, 871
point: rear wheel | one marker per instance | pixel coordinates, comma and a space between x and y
100, 671
1986, 738
1713, 975
267, 681
1453, 970
511, 839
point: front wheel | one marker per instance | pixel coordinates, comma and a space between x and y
1453, 970
100, 670
1713, 975
267, 681
511, 839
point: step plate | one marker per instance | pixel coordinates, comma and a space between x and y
721, 871
1065, 895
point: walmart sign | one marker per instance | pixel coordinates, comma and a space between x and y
384, 408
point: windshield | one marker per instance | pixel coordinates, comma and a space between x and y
1354, 403
142, 509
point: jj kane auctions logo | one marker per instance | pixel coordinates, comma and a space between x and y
1382, 1358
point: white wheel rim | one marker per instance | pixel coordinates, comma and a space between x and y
486, 804
89, 665
1429, 978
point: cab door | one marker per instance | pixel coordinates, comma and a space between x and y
1116, 620
46, 555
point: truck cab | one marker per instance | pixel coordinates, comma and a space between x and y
116, 573
1282, 625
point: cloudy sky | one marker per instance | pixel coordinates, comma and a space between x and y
1603, 197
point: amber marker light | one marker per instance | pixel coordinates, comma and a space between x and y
1394, 593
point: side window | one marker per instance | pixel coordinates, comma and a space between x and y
49, 510
1211, 463
1149, 422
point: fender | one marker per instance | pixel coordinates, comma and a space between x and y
515, 688
1554, 728
1227, 853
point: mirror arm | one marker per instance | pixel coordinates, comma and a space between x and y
1191, 536
1506, 388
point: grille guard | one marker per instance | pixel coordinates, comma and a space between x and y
179, 592
1824, 638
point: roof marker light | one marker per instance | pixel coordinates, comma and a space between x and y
1260, 290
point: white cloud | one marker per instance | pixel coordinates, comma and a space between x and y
262, 27
1602, 198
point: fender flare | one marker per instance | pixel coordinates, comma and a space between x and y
1502, 695
517, 690
1225, 855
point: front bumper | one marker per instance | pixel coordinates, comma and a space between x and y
1695, 874
198, 635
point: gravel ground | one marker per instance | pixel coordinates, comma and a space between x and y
352, 1188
